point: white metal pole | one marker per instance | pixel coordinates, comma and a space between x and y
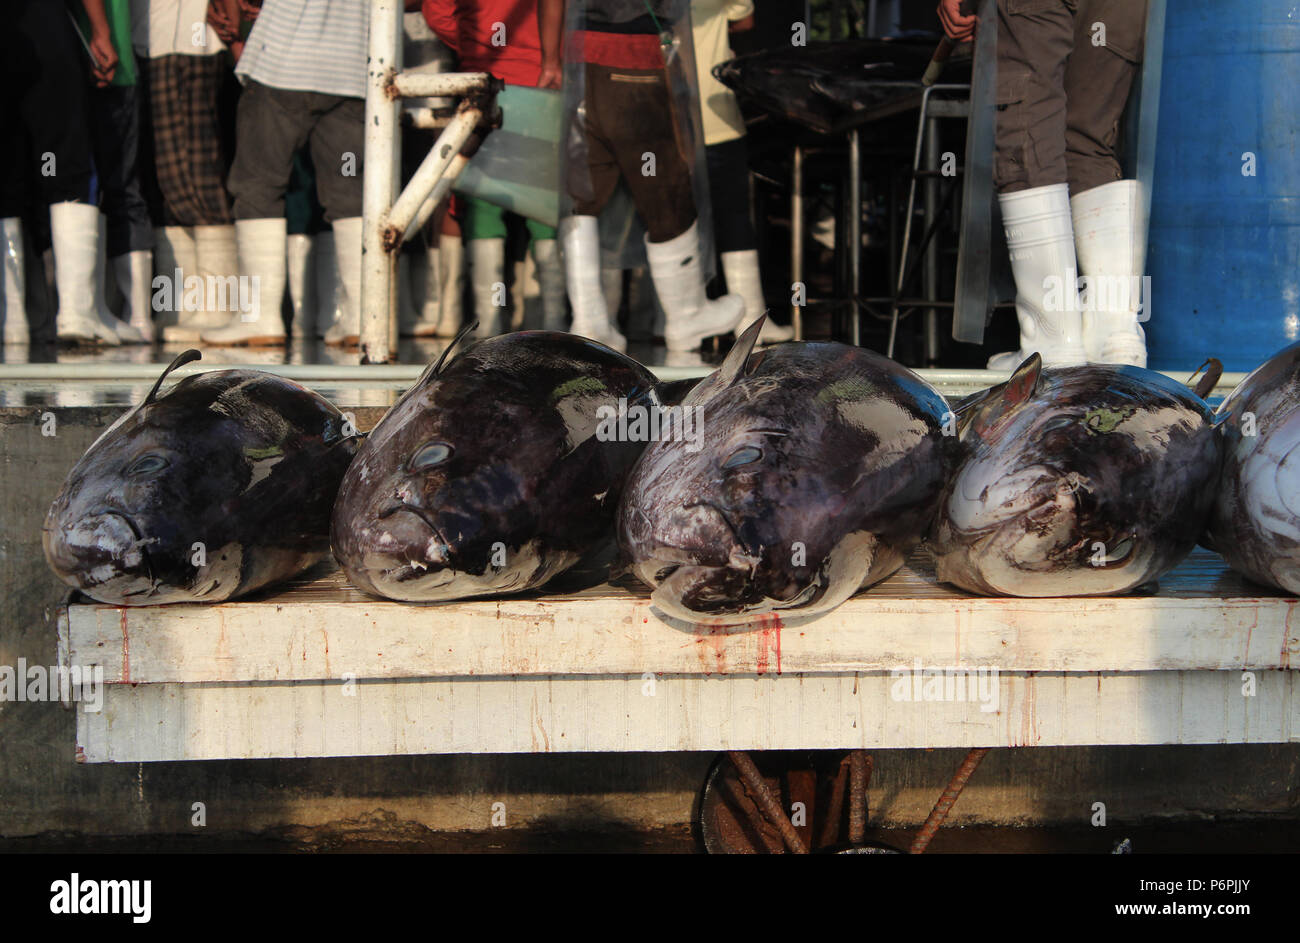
382, 176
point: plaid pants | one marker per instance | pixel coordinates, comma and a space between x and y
187, 137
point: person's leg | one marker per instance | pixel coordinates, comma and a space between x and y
1035, 38
115, 130
637, 110
592, 177
55, 112
550, 275
451, 270
485, 238
1109, 226
272, 125
337, 144
733, 231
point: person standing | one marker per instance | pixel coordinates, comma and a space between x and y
1064, 71
500, 37
303, 67
183, 63
627, 112
712, 22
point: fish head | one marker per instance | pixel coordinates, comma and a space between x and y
1068, 478
755, 518
126, 525
451, 495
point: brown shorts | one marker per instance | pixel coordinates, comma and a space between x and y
628, 120
1065, 68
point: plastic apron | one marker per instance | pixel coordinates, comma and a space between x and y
622, 232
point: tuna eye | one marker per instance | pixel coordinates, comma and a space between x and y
147, 465
430, 456
743, 457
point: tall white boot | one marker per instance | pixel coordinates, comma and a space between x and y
689, 315
302, 284
741, 271
13, 299
550, 284
174, 258
346, 329
134, 274
427, 294
580, 238
261, 246
126, 332
1110, 238
325, 261
487, 262
74, 229
208, 296
1040, 242
451, 284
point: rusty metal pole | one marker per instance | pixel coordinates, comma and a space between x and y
947, 800
859, 776
767, 802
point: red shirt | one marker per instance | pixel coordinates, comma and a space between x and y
469, 27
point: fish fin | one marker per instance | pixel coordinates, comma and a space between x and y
1024, 381
435, 368
184, 357
984, 409
1213, 371
734, 364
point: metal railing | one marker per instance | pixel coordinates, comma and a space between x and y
392, 214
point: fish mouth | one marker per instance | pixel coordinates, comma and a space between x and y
423, 514
103, 538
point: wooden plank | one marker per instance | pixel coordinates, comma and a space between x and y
584, 714
1202, 617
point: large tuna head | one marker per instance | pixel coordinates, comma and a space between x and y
488, 477
1075, 481
803, 472
218, 487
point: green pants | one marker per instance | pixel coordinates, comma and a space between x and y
488, 221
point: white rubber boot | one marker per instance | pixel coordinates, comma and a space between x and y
211, 275
487, 262
74, 229
302, 284
325, 261
407, 314
126, 333
134, 274
424, 282
550, 284
689, 315
740, 269
1040, 242
13, 299
580, 237
427, 294
261, 247
451, 284
1110, 239
174, 258
346, 329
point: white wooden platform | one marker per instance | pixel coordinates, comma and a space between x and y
320, 669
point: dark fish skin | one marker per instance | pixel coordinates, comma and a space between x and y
1076, 481
524, 488
1255, 523
837, 459
243, 462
